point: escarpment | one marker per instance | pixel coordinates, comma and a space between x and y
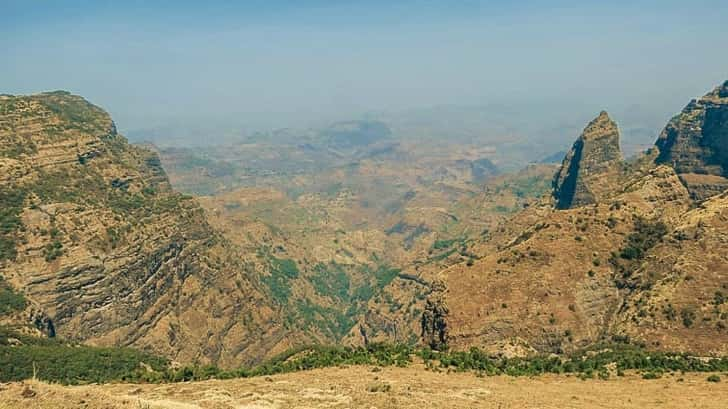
590, 165
695, 143
98, 242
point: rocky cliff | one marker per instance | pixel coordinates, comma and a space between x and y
105, 250
695, 143
590, 165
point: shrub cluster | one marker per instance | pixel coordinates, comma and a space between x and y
587, 363
646, 235
9, 299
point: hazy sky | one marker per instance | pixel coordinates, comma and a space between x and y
277, 63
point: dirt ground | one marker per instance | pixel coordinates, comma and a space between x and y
367, 387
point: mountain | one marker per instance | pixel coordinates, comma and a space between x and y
107, 253
621, 250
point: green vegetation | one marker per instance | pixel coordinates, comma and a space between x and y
281, 272
73, 364
10, 300
53, 250
330, 320
363, 292
646, 235
688, 317
284, 266
384, 275
11, 205
58, 362
331, 280
588, 362
444, 244
52, 360
444, 255
503, 209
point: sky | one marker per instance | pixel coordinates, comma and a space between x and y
275, 64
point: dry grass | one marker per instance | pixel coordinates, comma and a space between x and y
406, 388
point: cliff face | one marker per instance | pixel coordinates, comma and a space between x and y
695, 143
590, 166
106, 251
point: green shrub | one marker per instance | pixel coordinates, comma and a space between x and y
651, 375
586, 362
10, 300
688, 317
713, 378
444, 244
645, 236
53, 250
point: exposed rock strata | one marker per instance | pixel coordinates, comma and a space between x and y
109, 254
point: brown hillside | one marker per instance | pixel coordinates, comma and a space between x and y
107, 253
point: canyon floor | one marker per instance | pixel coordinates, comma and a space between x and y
367, 387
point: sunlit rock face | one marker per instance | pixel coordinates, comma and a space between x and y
586, 169
695, 143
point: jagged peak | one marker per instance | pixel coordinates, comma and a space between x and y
595, 153
600, 126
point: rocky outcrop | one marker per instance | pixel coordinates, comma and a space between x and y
434, 322
695, 143
590, 167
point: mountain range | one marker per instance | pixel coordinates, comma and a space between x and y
372, 241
